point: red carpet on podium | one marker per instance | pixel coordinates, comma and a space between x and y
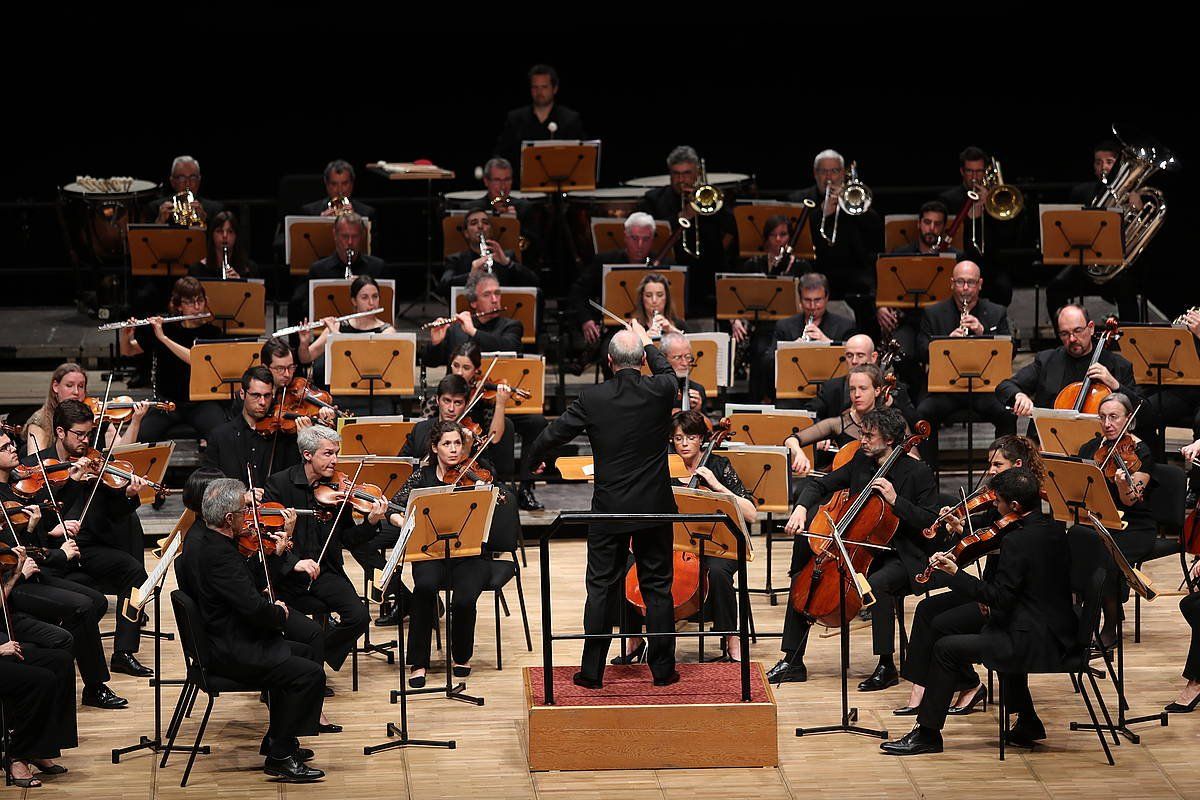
633, 685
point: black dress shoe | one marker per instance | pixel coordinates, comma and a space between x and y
917, 741
329, 727
416, 682
127, 664
389, 619
460, 671
635, 657
979, 696
787, 672
303, 754
905, 711
882, 678
291, 770
1026, 732
579, 679
527, 500
103, 697
667, 680
1180, 708
328, 690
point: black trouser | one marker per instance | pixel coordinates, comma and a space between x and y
331, 593
502, 453
937, 616
528, 427
652, 549
114, 572
720, 608
56, 602
795, 625
760, 357
890, 580
1190, 606
952, 656
295, 690
203, 416
936, 407
306, 635
39, 702
468, 576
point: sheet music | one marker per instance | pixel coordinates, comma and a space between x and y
389, 569
724, 364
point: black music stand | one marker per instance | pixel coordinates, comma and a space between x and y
957, 365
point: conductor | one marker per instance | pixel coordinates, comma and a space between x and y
628, 421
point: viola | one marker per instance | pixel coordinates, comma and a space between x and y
960, 511
973, 545
1085, 396
119, 409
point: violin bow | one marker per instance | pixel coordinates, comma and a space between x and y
474, 458
103, 410
479, 389
1138, 581
337, 517
37, 452
99, 476
262, 553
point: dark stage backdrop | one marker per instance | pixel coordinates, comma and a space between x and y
263, 102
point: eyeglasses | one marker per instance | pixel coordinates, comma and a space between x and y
260, 395
965, 281
8, 448
282, 370
80, 434
194, 302
1074, 333
680, 438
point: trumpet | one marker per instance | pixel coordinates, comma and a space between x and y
486, 252
134, 323
339, 204
312, 326
705, 200
183, 210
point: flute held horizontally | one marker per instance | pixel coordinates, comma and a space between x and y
134, 323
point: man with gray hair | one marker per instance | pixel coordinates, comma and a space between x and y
245, 634
639, 242
338, 177
484, 324
185, 177
349, 251
627, 419
678, 350
311, 576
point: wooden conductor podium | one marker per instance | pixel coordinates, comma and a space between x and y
801, 367
609, 234
330, 297
217, 368
757, 297
149, 460
370, 365
1063, 431
164, 251
238, 306
751, 219
505, 229
521, 303
619, 289
912, 281
969, 365
526, 372
378, 436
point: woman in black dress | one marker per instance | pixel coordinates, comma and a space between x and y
225, 257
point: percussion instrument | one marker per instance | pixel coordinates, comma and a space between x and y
95, 223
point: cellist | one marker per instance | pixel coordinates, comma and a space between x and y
911, 492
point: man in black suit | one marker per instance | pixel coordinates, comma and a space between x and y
814, 322
452, 395
339, 186
834, 395
185, 177
628, 421
462, 265
498, 181
963, 314
911, 492
245, 634
980, 231
1027, 627
483, 324
1105, 155
349, 241
543, 118
931, 226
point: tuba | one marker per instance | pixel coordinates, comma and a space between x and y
183, 212
1004, 202
1138, 225
706, 200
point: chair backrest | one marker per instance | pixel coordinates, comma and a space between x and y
1166, 503
192, 637
506, 525
1089, 617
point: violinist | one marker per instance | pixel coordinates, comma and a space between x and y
364, 296
37, 686
452, 394
310, 576
911, 492
1128, 477
101, 558
59, 613
467, 576
238, 442
834, 395
484, 324
477, 224
245, 633
225, 258
69, 382
170, 347
1028, 626
688, 432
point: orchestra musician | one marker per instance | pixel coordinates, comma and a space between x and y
69, 382
639, 242
185, 177
509, 271
1189, 695
1105, 155
364, 296
452, 395
834, 395
169, 345
236, 444
245, 633
349, 247
37, 687
543, 118
448, 448
223, 246
912, 493
498, 182
980, 231
678, 350
814, 323
756, 337
1174, 405
931, 226
626, 418
1028, 626
483, 324
339, 186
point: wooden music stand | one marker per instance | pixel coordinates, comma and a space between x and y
240, 305
567, 165
374, 436
618, 292
387, 472
764, 471
968, 365
1071, 235
1063, 431
583, 468
752, 217
139, 596
801, 367
714, 538
521, 302
370, 365
609, 234
1074, 487
162, 250
330, 297
768, 426
912, 281
149, 460
217, 368
757, 297
521, 372
712, 367
306, 239
900, 230
506, 229
1161, 355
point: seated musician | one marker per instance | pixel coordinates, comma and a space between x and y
311, 577
716, 233
954, 612
1105, 155
909, 489
453, 394
339, 188
364, 296
756, 337
1037, 384
498, 181
834, 396
963, 314
849, 260
245, 441
52, 611
814, 323
1132, 492
169, 345
981, 232
931, 226
225, 255
37, 687
678, 350
509, 271
485, 324
688, 432
69, 382
185, 177
467, 363
349, 251
245, 633
543, 118
92, 517
467, 575
1189, 695
1028, 626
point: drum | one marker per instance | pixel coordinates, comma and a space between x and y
736, 183
583, 207
95, 223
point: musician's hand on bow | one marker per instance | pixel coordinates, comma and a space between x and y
11, 648
885, 488
70, 548
69, 528
309, 567
796, 521
286, 611
591, 331
256, 497
944, 562
740, 331
136, 484
378, 511
1022, 405
887, 318
467, 321
78, 471
1099, 372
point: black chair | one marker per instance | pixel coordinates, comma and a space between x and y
505, 539
5, 754
194, 642
1075, 664
1166, 506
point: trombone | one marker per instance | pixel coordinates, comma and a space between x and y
854, 198
1003, 202
705, 200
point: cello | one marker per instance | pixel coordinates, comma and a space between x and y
817, 590
1085, 396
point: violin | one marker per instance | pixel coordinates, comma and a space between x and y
119, 409
973, 545
469, 474
300, 399
1085, 397
338, 489
17, 513
489, 391
12, 430
1120, 456
960, 511
28, 479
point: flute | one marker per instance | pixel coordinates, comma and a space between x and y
134, 323
312, 326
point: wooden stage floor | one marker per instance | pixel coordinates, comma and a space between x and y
491, 761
